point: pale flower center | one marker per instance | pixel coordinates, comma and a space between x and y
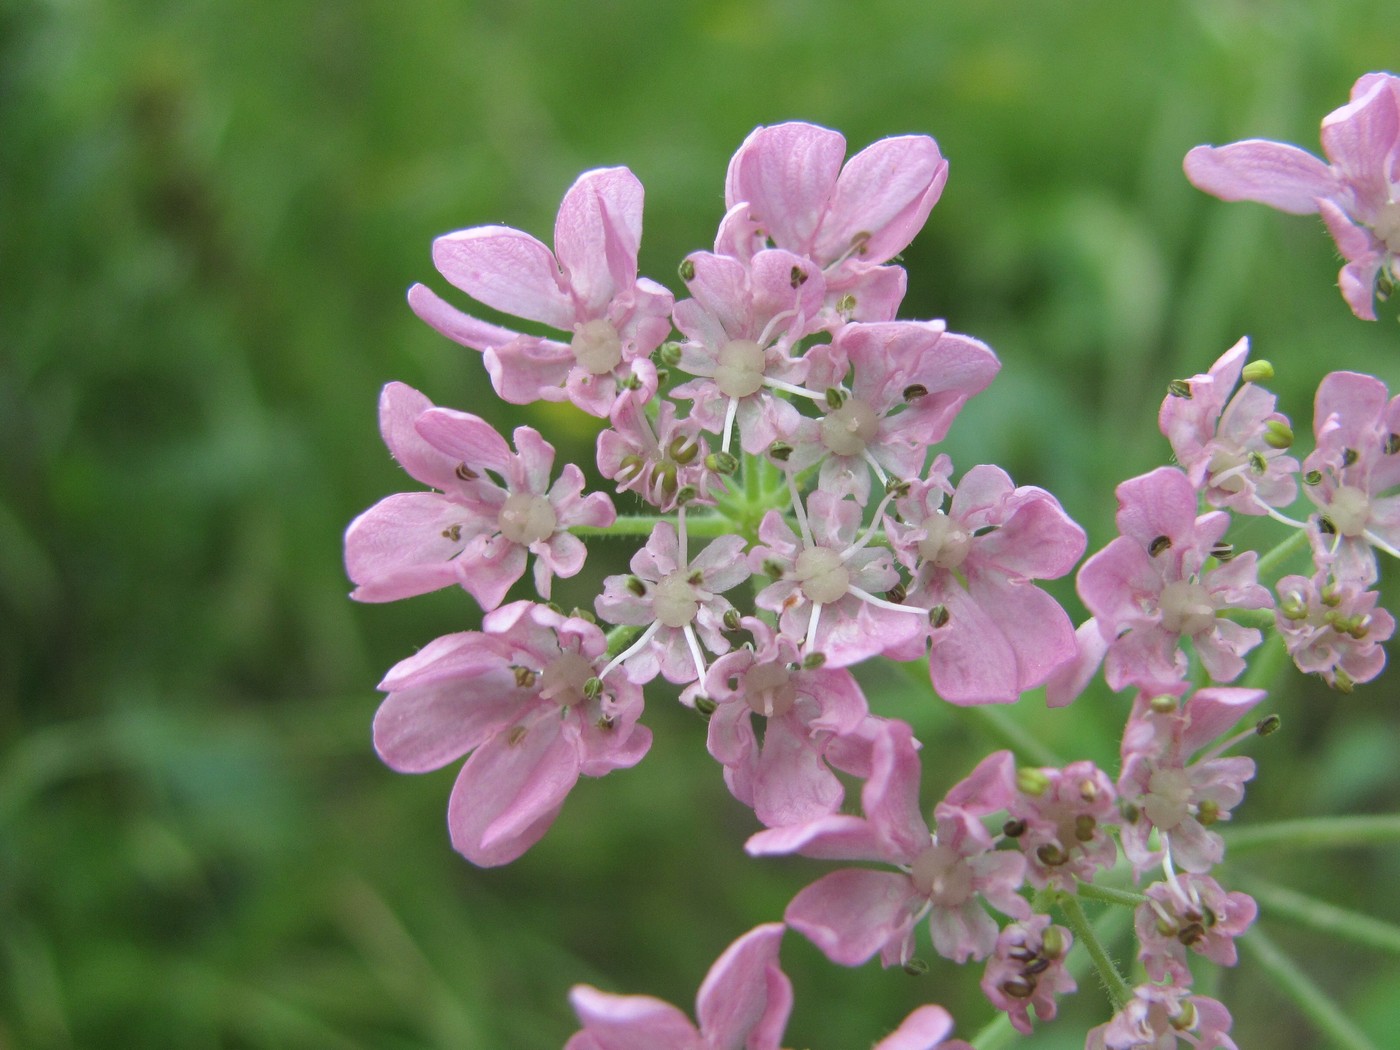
769, 690
1228, 464
1387, 227
1187, 608
527, 519
740, 369
564, 678
597, 347
822, 576
676, 602
945, 543
943, 876
845, 430
1349, 510
1168, 798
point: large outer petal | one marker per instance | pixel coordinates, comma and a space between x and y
852, 913
507, 270
404, 546
786, 173
923, 1029
628, 1022
466, 438
447, 320
1281, 176
1361, 139
508, 794
883, 197
597, 235
746, 999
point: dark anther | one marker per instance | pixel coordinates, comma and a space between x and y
1052, 855
1392, 444
1223, 551
1018, 988
453, 533
1014, 829
637, 586
798, 277
1179, 388
896, 594
1160, 544
687, 271
1349, 457
466, 473
1037, 967
1325, 526
1190, 934
914, 391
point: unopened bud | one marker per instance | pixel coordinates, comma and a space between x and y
1260, 371
1278, 434
1032, 781
669, 354
724, 463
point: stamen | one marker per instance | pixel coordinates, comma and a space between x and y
881, 603
730, 411
799, 511
800, 391
879, 470
767, 335
695, 651
632, 649
864, 541
811, 643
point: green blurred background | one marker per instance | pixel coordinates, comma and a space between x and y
209, 213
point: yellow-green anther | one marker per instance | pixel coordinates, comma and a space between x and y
665, 479
631, 468
1163, 705
1179, 388
1260, 371
1084, 827
846, 305
812, 661
1186, 1019
938, 616
1209, 812
1293, 608
1052, 943
687, 270
1258, 464
593, 688
898, 488
524, 677
682, 449
1052, 855
685, 494
731, 619
1165, 927
1331, 594
772, 569
1268, 724
636, 586
1032, 781
516, 735
835, 397
1312, 477
705, 706
725, 463
916, 967
1278, 434
1342, 682
780, 450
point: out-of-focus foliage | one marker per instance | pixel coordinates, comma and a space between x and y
209, 213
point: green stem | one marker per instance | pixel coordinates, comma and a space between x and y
1094, 892
1365, 930
1315, 833
1315, 1004
1119, 992
1269, 561
707, 526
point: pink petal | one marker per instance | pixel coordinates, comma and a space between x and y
468, 439
923, 1029
786, 173
1281, 176
404, 546
884, 192
453, 323
852, 913
508, 794
628, 1022
1360, 138
745, 999
507, 270
597, 235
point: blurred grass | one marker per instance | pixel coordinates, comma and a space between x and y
208, 215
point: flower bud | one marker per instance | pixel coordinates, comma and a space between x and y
669, 354
1278, 434
1032, 781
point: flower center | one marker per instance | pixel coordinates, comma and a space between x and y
676, 601
1387, 227
597, 347
945, 543
941, 875
564, 678
740, 369
769, 690
823, 577
1187, 608
845, 430
1168, 798
1349, 510
1224, 471
527, 519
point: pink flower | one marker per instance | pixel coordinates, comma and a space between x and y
1351, 475
675, 598
1028, 969
1333, 629
1060, 818
1160, 1017
517, 696
1190, 911
587, 287
1357, 192
854, 913
1227, 445
997, 635
1149, 588
787, 188
474, 532
784, 778
1168, 790
743, 1004
661, 460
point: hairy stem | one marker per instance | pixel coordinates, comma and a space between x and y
1114, 982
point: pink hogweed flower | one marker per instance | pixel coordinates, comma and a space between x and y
806, 710
787, 188
1352, 476
996, 634
854, 913
474, 532
1150, 587
587, 287
1357, 191
1028, 969
743, 1004
825, 584
1162, 1017
678, 600
519, 695
663, 460
1164, 787
1333, 629
1232, 448
1190, 911
1060, 818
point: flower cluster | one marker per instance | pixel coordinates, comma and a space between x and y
775, 429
